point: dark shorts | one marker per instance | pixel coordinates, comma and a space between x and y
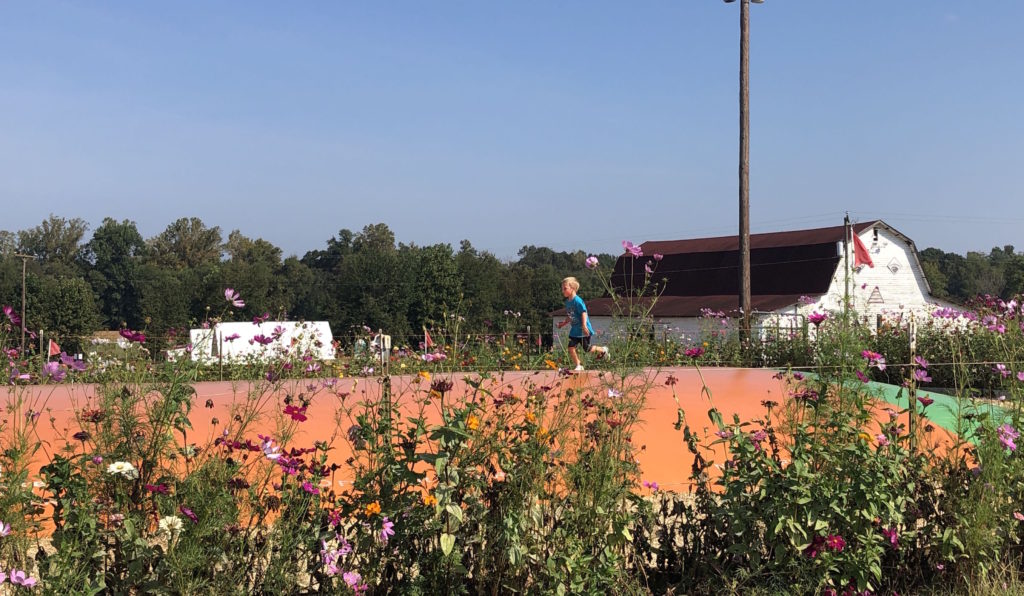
575, 341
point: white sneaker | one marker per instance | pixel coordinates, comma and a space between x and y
579, 368
607, 355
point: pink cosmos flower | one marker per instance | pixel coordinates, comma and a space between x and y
5, 529
263, 340
260, 318
863, 377
921, 362
1007, 436
53, 370
632, 249
231, 337
1018, 516
188, 513
21, 578
651, 485
658, 256
1002, 370
233, 297
298, 414
591, 262
387, 530
309, 488
922, 375
882, 440
133, 336
647, 268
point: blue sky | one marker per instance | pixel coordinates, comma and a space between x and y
571, 124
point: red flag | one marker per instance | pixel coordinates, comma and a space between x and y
54, 349
427, 342
861, 256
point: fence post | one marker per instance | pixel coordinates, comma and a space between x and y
912, 384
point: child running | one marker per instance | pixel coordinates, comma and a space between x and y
580, 329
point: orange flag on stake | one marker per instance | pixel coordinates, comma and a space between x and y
54, 349
861, 256
427, 341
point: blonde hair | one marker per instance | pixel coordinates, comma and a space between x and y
572, 282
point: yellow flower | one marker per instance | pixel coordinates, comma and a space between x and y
551, 364
372, 509
531, 417
516, 367
429, 500
424, 375
472, 423
705, 344
865, 436
542, 434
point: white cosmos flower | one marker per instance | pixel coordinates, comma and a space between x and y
123, 468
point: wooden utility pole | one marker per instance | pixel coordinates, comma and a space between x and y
744, 170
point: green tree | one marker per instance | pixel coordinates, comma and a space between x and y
186, 243
56, 242
63, 308
113, 257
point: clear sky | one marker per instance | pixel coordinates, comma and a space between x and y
568, 124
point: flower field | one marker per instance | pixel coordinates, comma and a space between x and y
454, 471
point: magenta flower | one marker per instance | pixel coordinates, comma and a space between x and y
882, 440
817, 318
723, 434
863, 377
591, 262
231, 337
758, 436
632, 249
260, 318
1020, 376
54, 371
263, 340
892, 536
658, 256
921, 362
874, 359
694, 352
157, 489
352, 579
651, 485
5, 529
1007, 436
835, 542
296, 413
387, 530
926, 401
309, 488
922, 375
133, 336
233, 297
11, 315
188, 513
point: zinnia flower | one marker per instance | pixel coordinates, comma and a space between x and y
171, 525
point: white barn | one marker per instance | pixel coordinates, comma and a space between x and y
793, 274
271, 339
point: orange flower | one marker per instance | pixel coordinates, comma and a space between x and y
551, 364
425, 375
372, 509
472, 423
429, 500
531, 417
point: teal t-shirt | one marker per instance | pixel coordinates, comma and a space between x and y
575, 308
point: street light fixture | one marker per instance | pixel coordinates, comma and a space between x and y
744, 169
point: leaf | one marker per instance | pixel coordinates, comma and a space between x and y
455, 511
447, 543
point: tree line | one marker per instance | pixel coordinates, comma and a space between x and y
76, 284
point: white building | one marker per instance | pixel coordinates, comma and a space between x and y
793, 274
271, 339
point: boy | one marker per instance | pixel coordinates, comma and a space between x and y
581, 329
